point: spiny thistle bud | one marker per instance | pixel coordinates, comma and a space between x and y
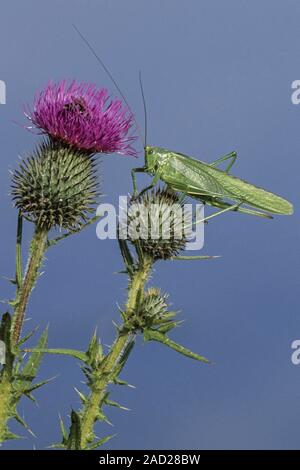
154, 305
55, 187
158, 223
152, 312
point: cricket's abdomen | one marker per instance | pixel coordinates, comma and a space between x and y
252, 195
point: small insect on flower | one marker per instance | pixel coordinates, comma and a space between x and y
84, 117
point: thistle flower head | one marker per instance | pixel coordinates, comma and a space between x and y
83, 117
158, 223
55, 187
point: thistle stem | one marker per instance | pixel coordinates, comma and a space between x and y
37, 250
107, 369
5, 402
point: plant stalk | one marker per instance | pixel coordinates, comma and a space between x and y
37, 250
5, 403
106, 371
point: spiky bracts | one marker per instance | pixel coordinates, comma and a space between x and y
151, 312
84, 117
55, 187
157, 223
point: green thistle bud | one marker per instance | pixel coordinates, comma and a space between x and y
55, 187
157, 222
154, 305
151, 310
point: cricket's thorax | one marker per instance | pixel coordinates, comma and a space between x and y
155, 159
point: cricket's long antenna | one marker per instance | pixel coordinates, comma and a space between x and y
145, 107
112, 79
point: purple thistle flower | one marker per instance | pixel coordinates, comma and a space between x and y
83, 117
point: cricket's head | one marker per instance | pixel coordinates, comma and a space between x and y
152, 157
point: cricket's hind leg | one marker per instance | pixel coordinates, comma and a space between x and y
232, 156
234, 207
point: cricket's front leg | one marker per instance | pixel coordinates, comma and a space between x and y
133, 177
150, 186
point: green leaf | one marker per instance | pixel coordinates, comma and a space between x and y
74, 439
63, 431
19, 272
100, 442
126, 354
10, 435
102, 417
155, 335
36, 386
118, 381
168, 326
94, 352
24, 424
127, 257
115, 404
189, 258
57, 446
54, 241
31, 367
81, 355
27, 337
82, 397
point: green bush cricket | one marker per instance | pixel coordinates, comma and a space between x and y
201, 180
208, 183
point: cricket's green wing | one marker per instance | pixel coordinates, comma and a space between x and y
194, 177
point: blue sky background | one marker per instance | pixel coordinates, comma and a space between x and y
217, 77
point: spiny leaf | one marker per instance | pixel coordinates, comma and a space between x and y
36, 386
189, 258
27, 337
19, 271
74, 439
23, 423
118, 381
10, 435
168, 326
126, 353
54, 241
57, 446
100, 442
155, 335
81, 355
63, 431
94, 352
165, 317
33, 363
114, 403
102, 417
127, 257
82, 397
20, 421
